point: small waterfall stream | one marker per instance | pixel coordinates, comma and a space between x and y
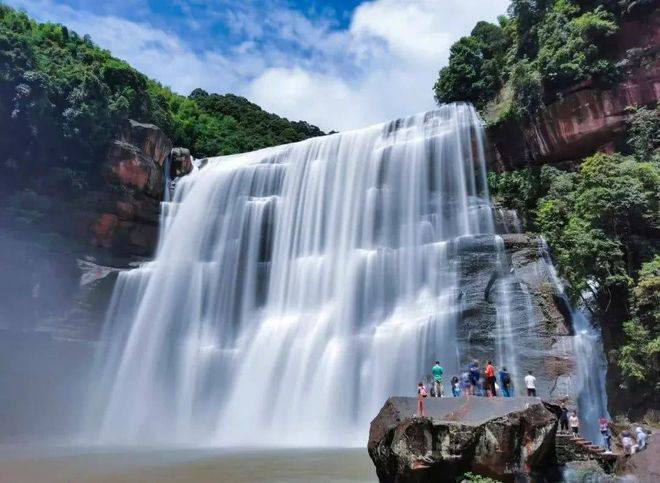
295, 288
591, 364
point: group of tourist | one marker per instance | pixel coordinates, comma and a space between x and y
630, 443
634, 444
473, 382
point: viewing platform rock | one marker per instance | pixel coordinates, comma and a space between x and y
504, 438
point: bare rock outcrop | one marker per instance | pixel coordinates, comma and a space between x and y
500, 437
134, 185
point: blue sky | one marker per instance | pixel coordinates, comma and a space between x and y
340, 64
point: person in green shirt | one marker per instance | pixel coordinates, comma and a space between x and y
437, 379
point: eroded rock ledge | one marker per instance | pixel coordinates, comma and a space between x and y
499, 437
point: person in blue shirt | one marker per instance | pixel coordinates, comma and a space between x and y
505, 383
455, 386
437, 370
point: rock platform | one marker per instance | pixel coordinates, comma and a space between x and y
499, 437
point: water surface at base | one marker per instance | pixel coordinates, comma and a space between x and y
95, 465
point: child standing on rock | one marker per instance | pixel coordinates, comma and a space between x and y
421, 395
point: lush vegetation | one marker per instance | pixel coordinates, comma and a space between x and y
602, 221
470, 477
639, 358
600, 215
62, 98
538, 50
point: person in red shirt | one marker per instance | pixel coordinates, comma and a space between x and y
490, 379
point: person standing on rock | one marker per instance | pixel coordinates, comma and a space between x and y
530, 384
505, 382
421, 395
455, 386
563, 419
574, 422
474, 375
465, 383
490, 380
437, 370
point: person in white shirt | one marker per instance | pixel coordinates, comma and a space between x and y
574, 423
641, 438
627, 443
530, 384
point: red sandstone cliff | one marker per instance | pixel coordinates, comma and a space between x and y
588, 117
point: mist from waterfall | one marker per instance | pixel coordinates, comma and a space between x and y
295, 288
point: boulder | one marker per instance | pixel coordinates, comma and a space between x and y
147, 138
181, 162
499, 437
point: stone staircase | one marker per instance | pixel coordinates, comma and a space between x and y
572, 448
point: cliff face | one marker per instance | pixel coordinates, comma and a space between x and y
133, 171
58, 274
588, 117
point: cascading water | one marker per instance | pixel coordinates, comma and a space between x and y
297, 287
591, 365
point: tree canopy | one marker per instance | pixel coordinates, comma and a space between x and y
538, 50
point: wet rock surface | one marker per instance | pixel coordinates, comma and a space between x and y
510, 269
499, 437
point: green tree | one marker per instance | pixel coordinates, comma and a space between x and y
474, 71
639, 357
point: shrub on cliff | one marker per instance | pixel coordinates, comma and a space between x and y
474, 71
601, 221
541, 48
639, 358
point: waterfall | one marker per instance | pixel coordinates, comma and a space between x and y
297, 287
591, 365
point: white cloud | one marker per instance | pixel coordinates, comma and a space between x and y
398, 48
382, 67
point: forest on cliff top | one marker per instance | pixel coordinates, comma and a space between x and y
63, 98
600, 215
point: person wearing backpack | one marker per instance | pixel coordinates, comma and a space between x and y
421, 395
505, 381
474, 376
